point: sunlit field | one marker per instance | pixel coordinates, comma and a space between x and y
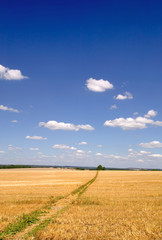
118, 205
115, 205
25, 190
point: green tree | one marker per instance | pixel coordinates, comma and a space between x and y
100, 167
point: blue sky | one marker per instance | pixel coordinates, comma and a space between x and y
80, 83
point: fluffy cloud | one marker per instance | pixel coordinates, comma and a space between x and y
53, 125
82, 143
34, 149
36, 137
62, 146
124, 97
113, 107
128, 123
5, 108
98, 154
80, 151
10, 74
132, 123
153, 144
98, 85
99, 146
130, 150
85, 127
144, 152
151, 113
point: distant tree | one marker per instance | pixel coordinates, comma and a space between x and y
100, 167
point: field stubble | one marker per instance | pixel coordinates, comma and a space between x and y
24, 191
119, 205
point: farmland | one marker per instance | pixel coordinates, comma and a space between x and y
69, 204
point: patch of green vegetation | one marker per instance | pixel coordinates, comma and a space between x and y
45, 223
53, 199
82, 188
21, 223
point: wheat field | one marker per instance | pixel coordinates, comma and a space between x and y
26, 190
117, 205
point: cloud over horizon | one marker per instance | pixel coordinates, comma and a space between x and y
10, 74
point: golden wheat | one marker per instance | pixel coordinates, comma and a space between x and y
118, 205
26, 190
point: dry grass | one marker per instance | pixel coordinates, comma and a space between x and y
118, 205
26, 190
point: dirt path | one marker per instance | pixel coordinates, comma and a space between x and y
49, 215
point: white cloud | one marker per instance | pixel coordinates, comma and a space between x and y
2, 151
62, 146
14, 121
151, 113
140, 160
98, 85
10, 74
158, 123
124, 97
153, 144
98, 154
34, 149
136, 113
89, 151
85, 127
5, 108
11, 148
99, 146
130, 150
156, 155
82, 143
144, 152
36, 137
54, 125
128, 123
132, 123
113, 107
80, 151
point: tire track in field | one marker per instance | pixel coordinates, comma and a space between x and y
43, 218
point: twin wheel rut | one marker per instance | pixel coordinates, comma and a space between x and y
29, 230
